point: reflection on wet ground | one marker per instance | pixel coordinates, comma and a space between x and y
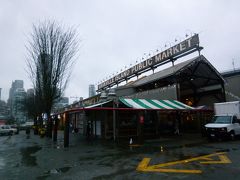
115, 174
27, 158
42, 159
53, 172
2, 164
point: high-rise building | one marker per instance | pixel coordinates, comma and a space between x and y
17, 95
30, 92
4, 109
91, 90
0, 94
15, 85
18, 110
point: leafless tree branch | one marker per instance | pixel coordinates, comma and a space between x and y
51, 51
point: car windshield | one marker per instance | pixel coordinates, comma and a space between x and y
222, 119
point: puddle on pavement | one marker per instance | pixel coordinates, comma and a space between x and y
114, 175
42, 177
27, 158
58, 171
64, 169
53, 172
2, 164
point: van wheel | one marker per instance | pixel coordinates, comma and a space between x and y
232, 135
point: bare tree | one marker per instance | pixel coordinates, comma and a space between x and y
51, 52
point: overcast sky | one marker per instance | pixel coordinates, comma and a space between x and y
115, 34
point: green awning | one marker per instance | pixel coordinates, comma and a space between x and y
154, 104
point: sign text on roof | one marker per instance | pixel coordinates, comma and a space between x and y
183, 48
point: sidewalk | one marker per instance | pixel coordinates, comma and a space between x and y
183, 140
186, 140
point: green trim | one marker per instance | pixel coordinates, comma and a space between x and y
169, 105
174, 103
125, 102
179, 104
155, 104
141, 104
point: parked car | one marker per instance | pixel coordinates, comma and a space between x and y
15, 126
7, 130
26, 125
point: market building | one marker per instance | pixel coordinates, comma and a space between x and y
177, 99
181, 95
194, 82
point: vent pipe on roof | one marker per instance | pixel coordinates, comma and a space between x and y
103, 95
111, 92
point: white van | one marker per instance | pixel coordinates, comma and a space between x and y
226, 122
223, 126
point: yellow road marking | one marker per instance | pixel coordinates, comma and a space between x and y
192, 171
223, 160
144, 163
206, 159
135, 145
143, 166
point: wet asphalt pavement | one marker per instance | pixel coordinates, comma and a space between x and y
184, 157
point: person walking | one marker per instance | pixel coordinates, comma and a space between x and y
176, 128
176, 124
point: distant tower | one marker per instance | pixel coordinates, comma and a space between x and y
0, 94
17, 84
92, 91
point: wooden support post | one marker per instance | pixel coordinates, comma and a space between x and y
50, 127
66, 130
114, 125
55, 128
95, 125
141, 119
157, 123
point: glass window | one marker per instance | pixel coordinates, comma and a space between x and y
222, 119
234, 119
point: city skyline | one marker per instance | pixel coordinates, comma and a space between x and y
113, 35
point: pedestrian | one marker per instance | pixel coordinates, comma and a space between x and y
176, 128
71, 127
176, 124
28, 130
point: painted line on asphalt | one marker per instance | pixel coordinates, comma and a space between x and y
135, 145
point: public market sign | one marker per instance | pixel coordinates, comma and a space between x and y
183, 48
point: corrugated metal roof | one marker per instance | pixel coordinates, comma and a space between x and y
176, 69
